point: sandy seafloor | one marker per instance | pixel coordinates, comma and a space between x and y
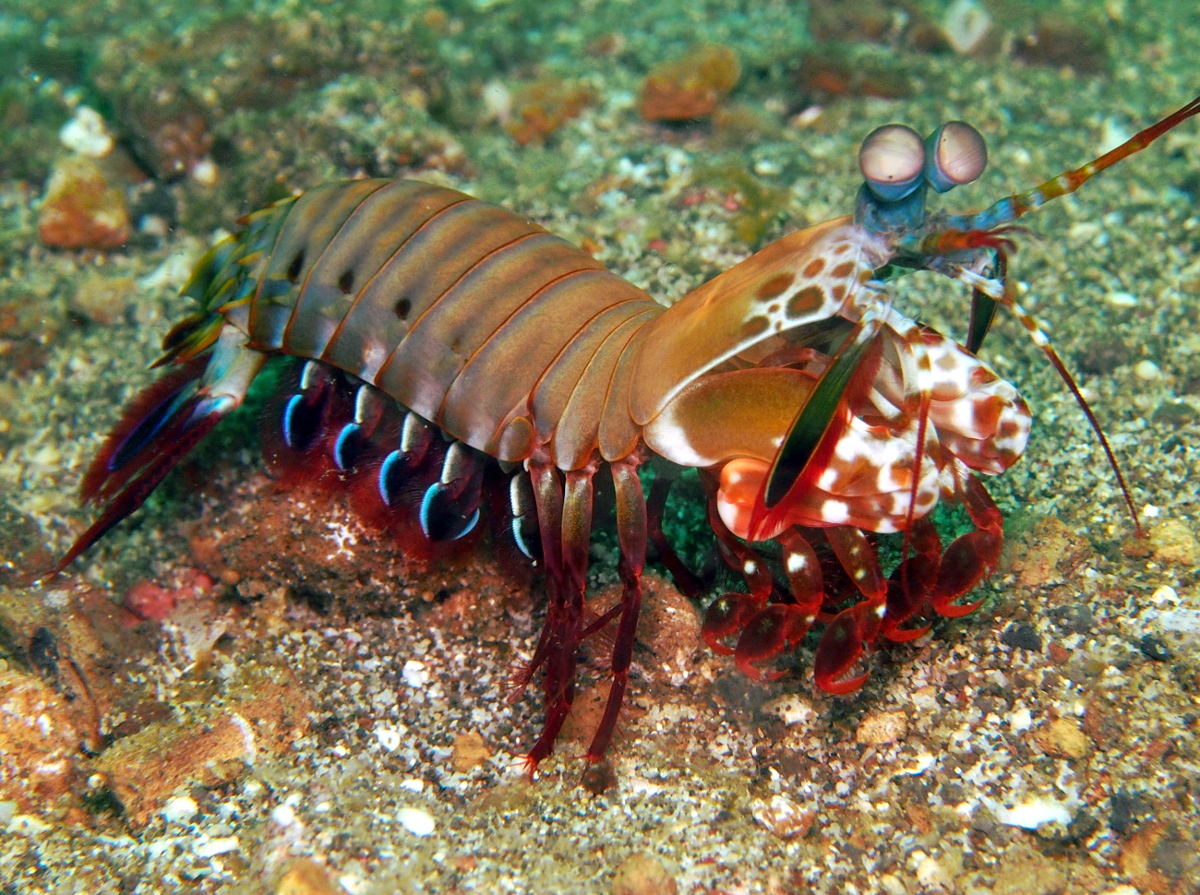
367, 693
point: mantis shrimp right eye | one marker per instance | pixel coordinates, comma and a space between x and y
956, 155
892, 160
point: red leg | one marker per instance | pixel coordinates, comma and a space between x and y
631, 531
688, 584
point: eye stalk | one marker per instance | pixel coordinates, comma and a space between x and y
892, 160
956, 154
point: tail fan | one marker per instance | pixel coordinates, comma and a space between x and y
157, 430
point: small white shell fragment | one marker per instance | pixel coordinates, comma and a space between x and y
1112, 135
497, 101
86, 134
210, 848
791, 709
416, 820
1119, 299
414, 674
1147, 370
1031, 814
180, 810
388, 737
965, 25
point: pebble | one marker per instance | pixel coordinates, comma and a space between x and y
880, 728
1025, 872
86, 134
469, 751
102, 299
414, 674
1120, 299
1063, 738
305, 876
1023, 635
1031, 814
643, 874
211, 848
782, 817
1172, 542
1021, 719
417, 821
1147, 371
965, 25
792, 709
180, 810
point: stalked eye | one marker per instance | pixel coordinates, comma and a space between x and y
956, 155
892, 158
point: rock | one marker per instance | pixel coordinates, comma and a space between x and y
38, 743
1173, 543
469, 751
1063, 738
1025, 872
669, 626
211, 748
689, 87
643, 874
880, 728
783, 818
304, 876
81, 209
1160, 858
102, 299
541, 108
1048, 552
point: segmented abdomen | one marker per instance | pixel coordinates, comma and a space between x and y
472, 316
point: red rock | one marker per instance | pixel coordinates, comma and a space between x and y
150, 602
81, 209
39, 745
689, 87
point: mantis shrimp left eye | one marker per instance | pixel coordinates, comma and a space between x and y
892, 160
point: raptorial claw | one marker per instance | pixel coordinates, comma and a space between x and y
966, 562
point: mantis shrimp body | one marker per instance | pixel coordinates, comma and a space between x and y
450, 347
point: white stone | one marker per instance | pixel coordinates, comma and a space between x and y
1120, 299
417, 821
1031, 814
180, 810
1147, 370
414, 674
86, 134
210, 848
1020, 720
